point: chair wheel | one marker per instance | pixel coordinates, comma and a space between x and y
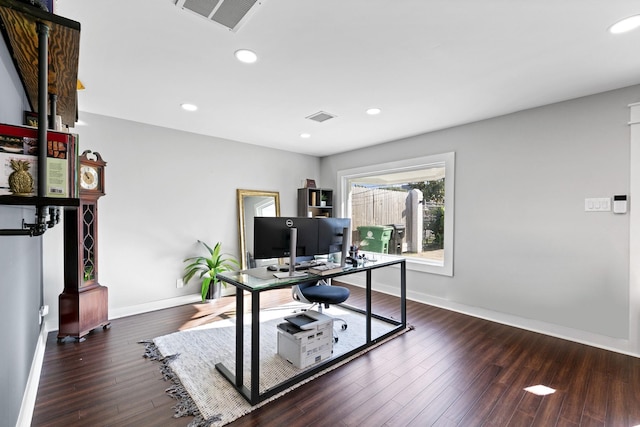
344, 327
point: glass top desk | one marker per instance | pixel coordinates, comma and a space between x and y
259, 280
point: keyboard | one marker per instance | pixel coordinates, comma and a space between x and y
305, 265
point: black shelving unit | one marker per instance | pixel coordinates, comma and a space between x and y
38, 201
315, 202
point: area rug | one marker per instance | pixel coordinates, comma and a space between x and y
189, 357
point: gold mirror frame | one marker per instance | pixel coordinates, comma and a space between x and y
249, 199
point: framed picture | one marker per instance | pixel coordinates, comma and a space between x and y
31, 119
310, 183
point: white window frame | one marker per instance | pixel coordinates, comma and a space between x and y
445, 159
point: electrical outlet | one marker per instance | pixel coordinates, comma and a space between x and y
179, 283
44, 310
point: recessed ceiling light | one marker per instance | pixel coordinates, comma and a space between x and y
189, 107
305, 135
373, 111
627, 24
540, 390
246, 56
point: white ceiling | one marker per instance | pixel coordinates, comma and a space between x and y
428, 64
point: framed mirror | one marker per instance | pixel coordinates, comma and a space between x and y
252, 203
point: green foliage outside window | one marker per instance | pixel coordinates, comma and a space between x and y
434, 223
433, 193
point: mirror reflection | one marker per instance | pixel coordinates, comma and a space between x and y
252, 203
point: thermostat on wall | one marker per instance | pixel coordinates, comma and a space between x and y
620, 204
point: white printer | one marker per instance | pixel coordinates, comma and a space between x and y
305, 338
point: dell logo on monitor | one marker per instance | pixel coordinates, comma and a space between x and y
289, 222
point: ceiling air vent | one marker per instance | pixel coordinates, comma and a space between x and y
231, 14
320, 117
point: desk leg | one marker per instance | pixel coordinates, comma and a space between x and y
369, 306
403, 293
239, 337
255, 347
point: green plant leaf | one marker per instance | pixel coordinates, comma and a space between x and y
208, 267
207, 246
205, 288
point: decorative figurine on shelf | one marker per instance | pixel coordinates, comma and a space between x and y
20, 180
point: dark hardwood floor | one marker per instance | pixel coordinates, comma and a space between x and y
452, 370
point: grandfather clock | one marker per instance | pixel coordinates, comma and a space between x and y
83, 305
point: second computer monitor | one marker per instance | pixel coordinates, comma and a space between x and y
331, 235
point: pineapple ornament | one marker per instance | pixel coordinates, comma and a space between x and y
20, 180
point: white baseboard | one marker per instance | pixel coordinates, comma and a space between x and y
31, 390
583, 337
117, 313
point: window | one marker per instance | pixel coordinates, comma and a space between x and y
405, 208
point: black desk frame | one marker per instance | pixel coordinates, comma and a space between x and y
253, 395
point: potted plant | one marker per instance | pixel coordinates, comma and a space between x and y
207, 267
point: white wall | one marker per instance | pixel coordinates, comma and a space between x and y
20, 270
166, 189
526, 253
634, 226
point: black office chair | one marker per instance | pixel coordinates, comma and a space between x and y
321, 293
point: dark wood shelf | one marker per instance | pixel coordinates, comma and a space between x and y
18, 25
38, 201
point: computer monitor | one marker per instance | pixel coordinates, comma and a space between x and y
272, 237
331, 235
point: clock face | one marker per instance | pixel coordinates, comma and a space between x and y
88, 177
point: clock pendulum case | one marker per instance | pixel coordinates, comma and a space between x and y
83, 304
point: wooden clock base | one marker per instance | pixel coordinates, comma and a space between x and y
82, 311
